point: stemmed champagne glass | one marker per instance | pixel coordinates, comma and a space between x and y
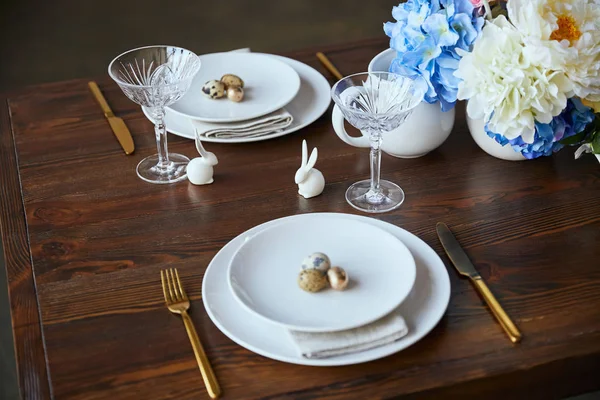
155, 77
374, 103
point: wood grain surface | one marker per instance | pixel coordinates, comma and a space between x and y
96, 236
27, 330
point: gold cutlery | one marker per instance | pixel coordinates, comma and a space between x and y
464, 266
117, 124
329, 65
178, 303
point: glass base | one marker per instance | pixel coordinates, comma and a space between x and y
175, 171
390, 197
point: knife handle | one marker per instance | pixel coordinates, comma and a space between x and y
509, 327
101, 100
329, 65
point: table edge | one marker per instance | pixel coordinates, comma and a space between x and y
30, 353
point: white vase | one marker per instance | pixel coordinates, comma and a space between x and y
425, 130
489, 145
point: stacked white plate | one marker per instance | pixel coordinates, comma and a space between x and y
272, 83
250, 290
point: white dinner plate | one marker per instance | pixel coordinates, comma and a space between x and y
422, 309
263, 273
269, 84
310, 103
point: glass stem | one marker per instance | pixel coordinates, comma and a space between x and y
160, 131
375, 195
375, 161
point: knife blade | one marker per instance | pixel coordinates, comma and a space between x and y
116, 124
455, 253
465, 267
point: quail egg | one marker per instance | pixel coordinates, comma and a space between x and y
318, 261
311, 280
231, 80
338, 278
235, 93
214, 89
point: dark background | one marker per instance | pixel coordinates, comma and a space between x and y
51, 40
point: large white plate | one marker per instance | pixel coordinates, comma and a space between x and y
269, 84
422, 309
310, 103
263, 273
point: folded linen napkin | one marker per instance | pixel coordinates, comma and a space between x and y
330, 344
261, 126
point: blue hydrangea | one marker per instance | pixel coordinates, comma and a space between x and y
573, 120
426, 36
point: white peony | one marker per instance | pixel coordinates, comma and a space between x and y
505, 87
563, 35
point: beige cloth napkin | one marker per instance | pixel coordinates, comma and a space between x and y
261, 126
323, 345
257, 127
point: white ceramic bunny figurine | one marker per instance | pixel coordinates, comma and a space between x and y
310, 180
200, 169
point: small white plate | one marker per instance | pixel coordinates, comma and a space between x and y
263, 274
310, 103
269, 84
422, 309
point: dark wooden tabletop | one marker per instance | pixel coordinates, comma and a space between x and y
84, 239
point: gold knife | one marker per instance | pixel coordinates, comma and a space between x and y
117, 124
329, 65
464, 266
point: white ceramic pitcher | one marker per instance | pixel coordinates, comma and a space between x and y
489, 145
425, 130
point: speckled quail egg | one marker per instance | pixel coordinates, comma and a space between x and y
338, 278
231, 80
214, 89
235, 93
311, 280
318, 261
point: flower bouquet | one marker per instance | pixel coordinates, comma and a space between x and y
531, 72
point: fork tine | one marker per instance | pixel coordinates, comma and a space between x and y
169, 285
174, 284
181, 291
164, 287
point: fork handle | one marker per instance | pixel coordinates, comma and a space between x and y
210, 380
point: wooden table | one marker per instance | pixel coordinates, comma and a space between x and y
84, 239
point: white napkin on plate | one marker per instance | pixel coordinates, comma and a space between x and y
330, 344
256, 127
261, 126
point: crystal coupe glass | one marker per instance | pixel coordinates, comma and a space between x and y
155, 77
375, 103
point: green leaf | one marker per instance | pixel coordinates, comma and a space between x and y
596, 143
589, 132
571, 140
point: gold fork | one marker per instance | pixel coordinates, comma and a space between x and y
178, 303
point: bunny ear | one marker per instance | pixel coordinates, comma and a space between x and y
313, 158
304, 153
199, 147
